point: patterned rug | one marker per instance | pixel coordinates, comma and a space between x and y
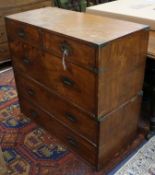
30, 150
27, 148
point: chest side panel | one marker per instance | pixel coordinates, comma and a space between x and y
122, 63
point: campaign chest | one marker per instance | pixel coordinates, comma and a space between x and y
80, 77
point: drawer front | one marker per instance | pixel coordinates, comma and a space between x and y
78, 52
4, 51
66, 113
24, 32
3, 37
79, 145
75, 84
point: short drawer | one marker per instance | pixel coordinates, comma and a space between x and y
75, 84
78, 52
27, 33
79, 145
66, 113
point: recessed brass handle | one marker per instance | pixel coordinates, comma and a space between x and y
72, 141
21, 33
65, 46
33, 114
66, 81
70, 117
26, 60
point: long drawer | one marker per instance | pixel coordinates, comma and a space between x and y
79, 145
66, 113
75, 84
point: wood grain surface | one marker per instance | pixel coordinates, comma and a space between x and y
86, 27
93, 104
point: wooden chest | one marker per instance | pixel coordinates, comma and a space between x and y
80, 77
10, 7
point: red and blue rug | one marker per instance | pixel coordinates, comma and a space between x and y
29, 149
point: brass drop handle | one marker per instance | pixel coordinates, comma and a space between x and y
66, 50
65, 54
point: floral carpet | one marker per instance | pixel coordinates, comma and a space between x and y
27, 148
30, 150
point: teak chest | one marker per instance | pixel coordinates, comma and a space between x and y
80, 77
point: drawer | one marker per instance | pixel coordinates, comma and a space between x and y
66, 113
24, 32
4, 51
79, 145
78, 52
75, 84
3, 37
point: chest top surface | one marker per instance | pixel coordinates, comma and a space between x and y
86, 27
